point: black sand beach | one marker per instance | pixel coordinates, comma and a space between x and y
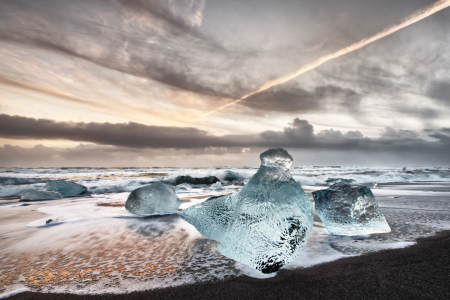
421, 271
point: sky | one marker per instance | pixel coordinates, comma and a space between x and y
122, 83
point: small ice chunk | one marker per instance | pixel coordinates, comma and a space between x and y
331, 181
265, 224
35, 195
65, 188
151, 199
347, 210
182, 187
194, 180
216, 185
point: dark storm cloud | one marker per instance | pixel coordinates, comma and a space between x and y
85, 155
443, 135
440, 90
128, 134
298, 135
422, 113
301, 100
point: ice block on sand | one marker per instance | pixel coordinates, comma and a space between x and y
35, 195
65, 188
151, 199
266, 223
347, 210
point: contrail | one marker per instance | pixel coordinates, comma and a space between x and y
415, 17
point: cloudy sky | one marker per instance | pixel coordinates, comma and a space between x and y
122, 82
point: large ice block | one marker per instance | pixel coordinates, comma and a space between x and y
35, 195
347, 210
266, 223
65, 188
152, 199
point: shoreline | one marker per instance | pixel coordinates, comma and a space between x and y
416, 272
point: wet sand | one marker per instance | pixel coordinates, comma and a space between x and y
421, 271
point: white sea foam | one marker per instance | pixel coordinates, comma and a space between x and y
319, 249
13, 290
18, 190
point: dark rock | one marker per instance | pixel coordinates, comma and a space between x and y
231, 176
194, 180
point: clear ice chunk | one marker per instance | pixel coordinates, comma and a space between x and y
65, 188
216, 185
35, 195
154, 198
347, 210
266, 223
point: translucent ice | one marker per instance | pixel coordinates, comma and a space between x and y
266, 223
35, 195
152, 199
347, 210
216, 185
65, 188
